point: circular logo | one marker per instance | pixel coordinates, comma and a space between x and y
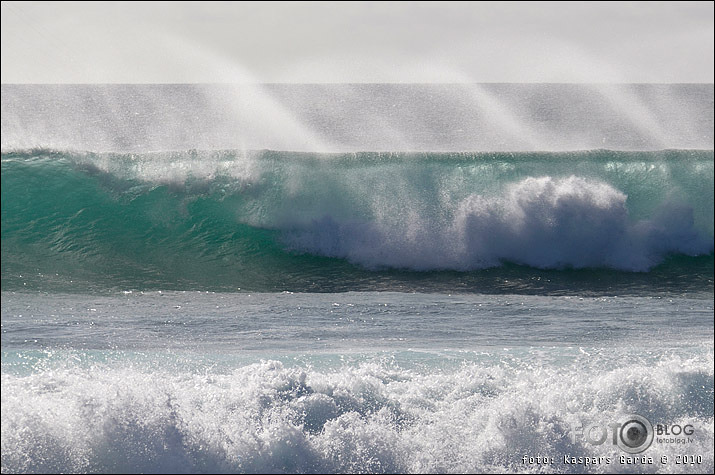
635, 435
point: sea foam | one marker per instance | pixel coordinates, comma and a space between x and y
374, 416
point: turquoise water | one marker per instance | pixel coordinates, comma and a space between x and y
176, 297
598, 221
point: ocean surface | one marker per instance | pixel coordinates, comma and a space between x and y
357, 278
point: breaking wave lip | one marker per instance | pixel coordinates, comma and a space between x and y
371, 417
541, 222
626, 211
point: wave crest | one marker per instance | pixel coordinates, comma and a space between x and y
542, 222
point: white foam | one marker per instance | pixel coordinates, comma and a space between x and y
370, 417
543, 222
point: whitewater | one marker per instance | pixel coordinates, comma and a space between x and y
346, 382
356, 278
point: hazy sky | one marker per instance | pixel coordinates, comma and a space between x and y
126, 42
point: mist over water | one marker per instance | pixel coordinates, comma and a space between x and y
358, 117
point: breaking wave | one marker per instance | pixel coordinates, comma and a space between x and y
178, 216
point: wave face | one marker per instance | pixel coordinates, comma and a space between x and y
304, 221
482, 412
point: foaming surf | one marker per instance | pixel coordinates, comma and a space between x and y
542, 222
408, 413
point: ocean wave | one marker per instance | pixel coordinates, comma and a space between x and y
172, 214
